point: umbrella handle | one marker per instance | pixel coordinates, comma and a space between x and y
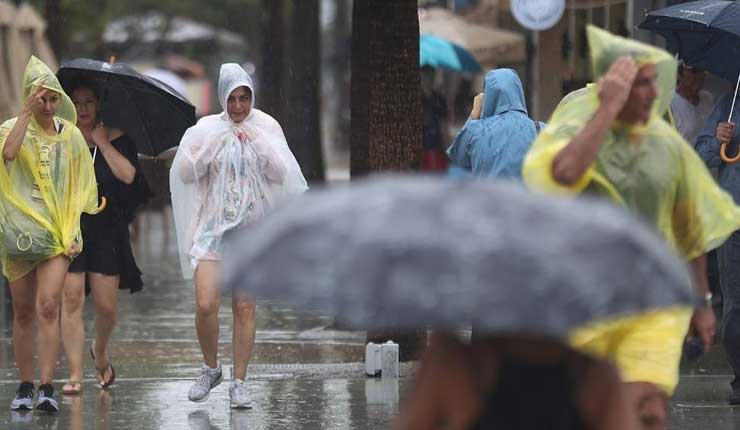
725, 158
103, 204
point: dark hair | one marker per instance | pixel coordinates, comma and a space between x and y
84, 82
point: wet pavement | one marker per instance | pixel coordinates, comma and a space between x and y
306, 372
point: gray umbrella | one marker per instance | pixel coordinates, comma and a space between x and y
410, 251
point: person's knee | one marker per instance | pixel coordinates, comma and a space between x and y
108, 311
24, 313
47, 308
208, 306
651, 404
72, 301
243, 309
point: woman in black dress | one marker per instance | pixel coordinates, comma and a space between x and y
107, 260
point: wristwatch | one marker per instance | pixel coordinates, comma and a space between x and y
705, 301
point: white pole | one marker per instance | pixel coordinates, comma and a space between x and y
732, 108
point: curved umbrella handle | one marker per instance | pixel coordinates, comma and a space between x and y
104, 203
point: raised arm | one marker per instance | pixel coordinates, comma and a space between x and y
614, 89
13, 142
121, 167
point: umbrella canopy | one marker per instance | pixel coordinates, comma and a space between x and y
440, 53
150, 111
705, 34
409, 251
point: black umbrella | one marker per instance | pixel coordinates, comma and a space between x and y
153, 114
408, 251
705, 34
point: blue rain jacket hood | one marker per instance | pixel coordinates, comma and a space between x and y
495, 144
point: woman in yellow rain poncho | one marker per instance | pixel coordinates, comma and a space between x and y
609, 139
46, 182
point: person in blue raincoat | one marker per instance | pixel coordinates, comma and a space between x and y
716, 132
498, 133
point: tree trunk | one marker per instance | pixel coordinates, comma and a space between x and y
271, 95
53, 15
302, 108
342, 72
386, 88
386, 105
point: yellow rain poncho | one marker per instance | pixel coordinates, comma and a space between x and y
45, 189
654, 173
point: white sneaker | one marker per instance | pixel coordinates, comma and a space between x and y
238, 395
23, 400
208, 380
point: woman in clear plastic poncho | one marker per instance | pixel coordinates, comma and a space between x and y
46, 182
229, 170
610, 140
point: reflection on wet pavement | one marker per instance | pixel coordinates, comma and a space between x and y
306, 372
278, 404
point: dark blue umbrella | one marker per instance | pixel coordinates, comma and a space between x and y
440, 53
705, 34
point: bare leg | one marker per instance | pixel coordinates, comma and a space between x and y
243, 308
105, 296
50, 276
23, 293
207, 302
73, 329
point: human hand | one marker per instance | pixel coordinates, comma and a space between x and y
35, 101
724, 132
74, 249
477, 106
99, 135
615, 86
703, 324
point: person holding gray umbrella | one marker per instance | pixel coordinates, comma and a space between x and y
383, 253
229, 170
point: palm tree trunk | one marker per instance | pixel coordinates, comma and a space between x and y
386, 105
302, 109
386, 88
271, 95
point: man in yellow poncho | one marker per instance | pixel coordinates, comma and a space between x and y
46, 182
610, 140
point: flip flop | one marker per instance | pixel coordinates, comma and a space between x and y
101, 371
75, 387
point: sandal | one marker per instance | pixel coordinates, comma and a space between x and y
101, 371
72, 388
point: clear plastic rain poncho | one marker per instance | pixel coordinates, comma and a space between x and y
650, 169
653, 172
227, 175
45, 189
495, 144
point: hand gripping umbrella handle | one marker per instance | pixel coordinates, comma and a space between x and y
723, 148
